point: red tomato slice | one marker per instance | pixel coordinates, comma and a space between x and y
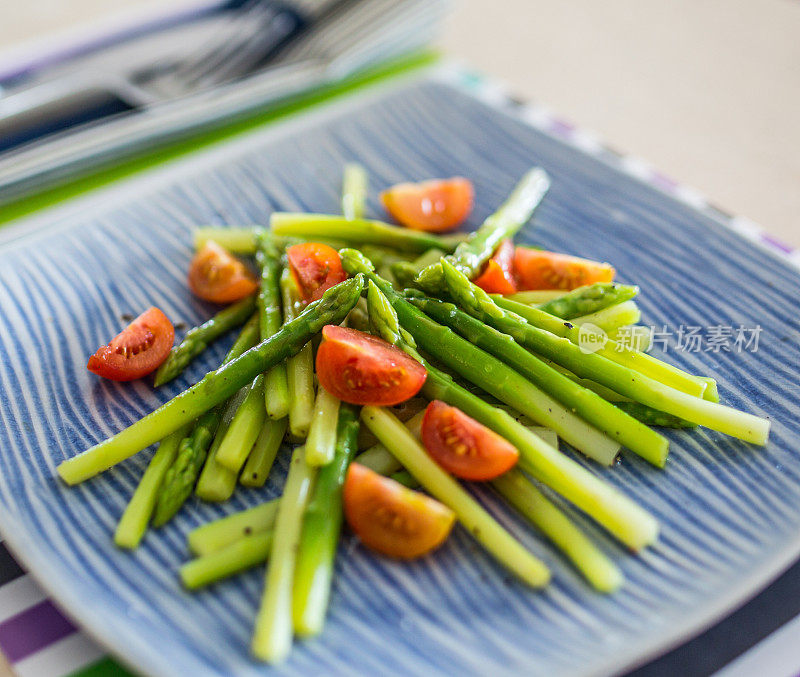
363, 369
316, 268
391, 518
136, 351
537, 269
498, 273
217, 276
434, 206
464, 447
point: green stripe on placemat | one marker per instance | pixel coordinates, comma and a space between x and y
26, 205
105, 667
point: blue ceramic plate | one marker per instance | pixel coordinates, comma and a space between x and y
728, 510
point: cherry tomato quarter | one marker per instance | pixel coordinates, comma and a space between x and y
536, 269
434, 206
362, 369
137, 350
219, 277
316, 268
392, 519
464, 447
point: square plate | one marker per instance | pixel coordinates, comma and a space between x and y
727, 509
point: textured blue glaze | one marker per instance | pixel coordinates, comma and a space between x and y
727, 509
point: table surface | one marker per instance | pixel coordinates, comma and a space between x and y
705, 91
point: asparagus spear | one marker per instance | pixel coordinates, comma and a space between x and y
586, 300
592, 562
470, 256
633, 385
354, 191
591, 407
321, 527
359, 231
261, 458
219, 534
198, 338
182, 474
411, 454
241, 555
268, 256
216, 387
272, 639
618, 514
321, 442
299, 367
244, 428
133, 522
611, 318
611, 350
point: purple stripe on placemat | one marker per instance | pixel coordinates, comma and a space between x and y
663, 182
32, 630
561, 128
785, 248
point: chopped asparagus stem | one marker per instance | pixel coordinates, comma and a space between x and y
261, 458
354, 191
380, 459
221, 533
272, 639
244, 428
133, 523
321, 442
216, 482
612, 318
321, 527
241, 555
299, 367
359, 231
598, 569
497, 541
235, 240
268, 258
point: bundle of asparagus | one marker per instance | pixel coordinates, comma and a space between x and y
508, 362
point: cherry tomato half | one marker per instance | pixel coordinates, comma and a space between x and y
391, 518
497, 276
217, 276
537, 269
137, 350
316, 268
464, 447
363, 369
434, 206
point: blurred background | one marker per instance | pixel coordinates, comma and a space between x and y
708, 91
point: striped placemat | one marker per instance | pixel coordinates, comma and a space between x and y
37, 639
